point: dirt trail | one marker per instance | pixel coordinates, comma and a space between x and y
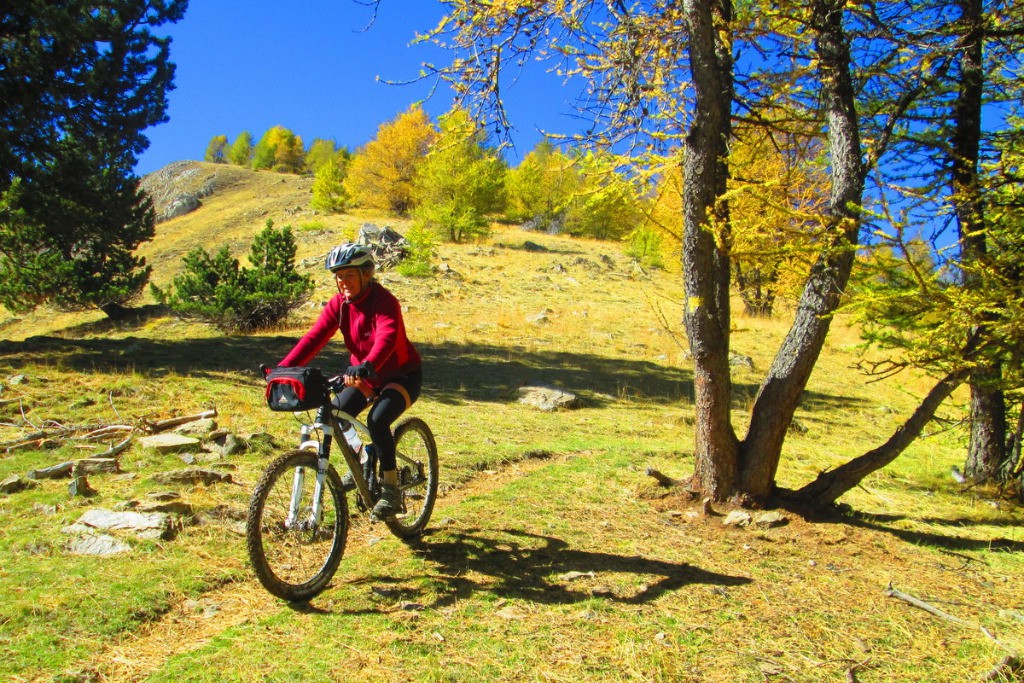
191, 623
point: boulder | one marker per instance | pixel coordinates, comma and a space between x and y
547, 398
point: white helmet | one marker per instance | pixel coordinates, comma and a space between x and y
348, 256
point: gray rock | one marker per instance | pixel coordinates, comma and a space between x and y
737, 518
151, 525
169, 443
198, 428
193, 476
539, 318
739, 361
97, 544
179, 206
547, 398
225, 444
173, 507
770, 519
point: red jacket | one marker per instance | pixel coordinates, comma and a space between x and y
373, 329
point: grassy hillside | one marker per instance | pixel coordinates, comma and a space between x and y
552, 556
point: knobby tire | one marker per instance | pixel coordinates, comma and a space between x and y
416, 454
295, 563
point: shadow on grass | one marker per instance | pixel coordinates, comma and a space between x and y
454, 373
545, 569
940, 541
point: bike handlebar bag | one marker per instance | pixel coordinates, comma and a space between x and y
298, 388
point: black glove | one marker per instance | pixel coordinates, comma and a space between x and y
265, 370
363, 371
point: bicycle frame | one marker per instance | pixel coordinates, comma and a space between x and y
329, 422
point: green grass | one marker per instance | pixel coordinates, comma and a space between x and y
551, 555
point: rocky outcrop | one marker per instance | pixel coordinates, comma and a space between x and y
179, 188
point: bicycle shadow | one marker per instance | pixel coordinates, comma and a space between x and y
519, 565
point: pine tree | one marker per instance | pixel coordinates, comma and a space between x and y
80, 82
218, 290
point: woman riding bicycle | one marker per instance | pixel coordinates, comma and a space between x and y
382, 359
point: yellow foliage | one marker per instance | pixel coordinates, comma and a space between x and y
383, 171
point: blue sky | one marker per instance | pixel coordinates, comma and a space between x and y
313, 67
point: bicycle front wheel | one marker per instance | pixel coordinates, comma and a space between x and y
416, 455
294, 547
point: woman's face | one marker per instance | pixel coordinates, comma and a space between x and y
350, 281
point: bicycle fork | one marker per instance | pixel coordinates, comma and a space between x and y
299, 482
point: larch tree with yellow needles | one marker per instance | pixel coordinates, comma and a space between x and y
383, 171
673, 84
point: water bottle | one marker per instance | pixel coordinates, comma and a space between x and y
354, 441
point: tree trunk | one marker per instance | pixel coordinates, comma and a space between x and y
987, 449
706, 243
829, 486
779, 394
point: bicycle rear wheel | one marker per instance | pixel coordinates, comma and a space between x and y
294, 554
416, 454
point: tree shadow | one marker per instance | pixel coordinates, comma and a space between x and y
544, 569
454, 373
951, 542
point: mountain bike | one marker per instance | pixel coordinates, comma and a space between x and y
298, 517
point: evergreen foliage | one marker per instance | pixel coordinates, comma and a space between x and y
218, 290
80, 82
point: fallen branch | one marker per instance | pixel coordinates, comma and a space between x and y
175, 421
116, 449
921, 604
54, 472
910, 599
663, 479
35, 444
35, 436
97, 464
105, 431
851, 673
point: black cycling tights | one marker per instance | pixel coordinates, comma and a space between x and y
385, 411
